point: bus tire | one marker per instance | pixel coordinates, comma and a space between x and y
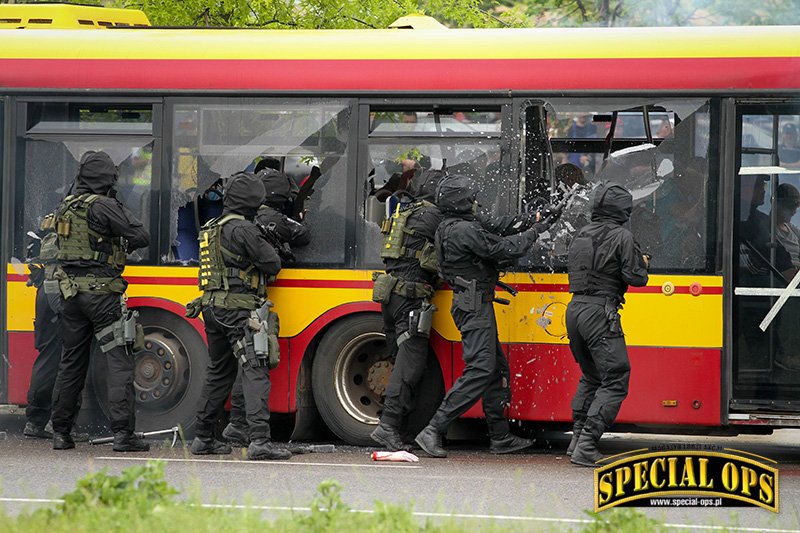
168, 373
350, 372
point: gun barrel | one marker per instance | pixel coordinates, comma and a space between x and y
506, 287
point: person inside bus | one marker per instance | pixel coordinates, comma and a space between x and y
788, 147
787, 234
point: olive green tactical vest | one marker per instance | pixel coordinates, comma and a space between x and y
214, 275
395, 231
72, 227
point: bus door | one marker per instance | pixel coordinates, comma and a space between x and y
3, 239
766, 261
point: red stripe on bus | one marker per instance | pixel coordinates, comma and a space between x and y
365, 284
393, 75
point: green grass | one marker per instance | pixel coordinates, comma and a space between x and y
140, 500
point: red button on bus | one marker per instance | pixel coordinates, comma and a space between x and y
695, 289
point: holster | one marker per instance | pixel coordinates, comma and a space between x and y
468, 299
419, 322
614, 320
125, 331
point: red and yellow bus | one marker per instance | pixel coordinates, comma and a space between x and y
696, 121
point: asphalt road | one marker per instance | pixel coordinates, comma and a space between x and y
538, 489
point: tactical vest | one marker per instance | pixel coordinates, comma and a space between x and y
396, 230
583, 278
481, 270
214, 275
74, 243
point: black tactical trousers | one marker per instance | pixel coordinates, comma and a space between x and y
47, 340
81, 317
224, 328
410, 360
486, 374
603, 358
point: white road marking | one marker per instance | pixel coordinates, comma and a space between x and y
423, 514
252, 463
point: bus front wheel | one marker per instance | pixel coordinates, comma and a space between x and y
168, 372
349, 377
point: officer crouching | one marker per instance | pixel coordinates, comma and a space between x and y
603, 260
236, 261
94, 231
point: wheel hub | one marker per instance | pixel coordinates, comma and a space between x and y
378, 377
155, 369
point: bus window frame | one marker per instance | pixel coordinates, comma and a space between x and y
351, 206
505, 141
6, 192
155, 137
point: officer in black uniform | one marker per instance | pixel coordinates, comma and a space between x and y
94, 232
46, 338
285, 234
469, 253
603, 260
236, 261
404, 292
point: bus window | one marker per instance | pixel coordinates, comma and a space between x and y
212, 141
49, 168
659, 151
445, 122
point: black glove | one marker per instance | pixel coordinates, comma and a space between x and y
541, 226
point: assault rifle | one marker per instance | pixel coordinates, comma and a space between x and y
305, 191
284, 250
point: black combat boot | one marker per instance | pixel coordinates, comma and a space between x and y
387, 436
126, 441
32, 431
209, 446
577, 427
430, 440
586, 452
508, 444
77, 437
63, 441
236, 435
264, 450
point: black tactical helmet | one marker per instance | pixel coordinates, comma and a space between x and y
277, 186
424, 184
456, 193
244, 194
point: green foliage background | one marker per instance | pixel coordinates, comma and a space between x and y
339, 14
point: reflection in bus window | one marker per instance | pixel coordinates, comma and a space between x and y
51, 166
213, 141
664, 163
454, 122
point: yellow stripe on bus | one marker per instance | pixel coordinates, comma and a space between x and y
539, 43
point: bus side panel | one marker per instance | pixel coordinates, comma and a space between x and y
668, 386
21, 355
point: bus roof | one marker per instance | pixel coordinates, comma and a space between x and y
68, 16
678, 58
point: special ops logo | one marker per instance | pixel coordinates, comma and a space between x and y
686, 476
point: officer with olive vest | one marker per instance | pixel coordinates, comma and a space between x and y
236, 262
404, 292
284, 234
470, 252
94, 232
603, 261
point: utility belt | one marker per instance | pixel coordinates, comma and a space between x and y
259, 346
225, 300
124, 332
69, 285
611, 307
386, 284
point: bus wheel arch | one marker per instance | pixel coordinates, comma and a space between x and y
349, 371
168, 373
